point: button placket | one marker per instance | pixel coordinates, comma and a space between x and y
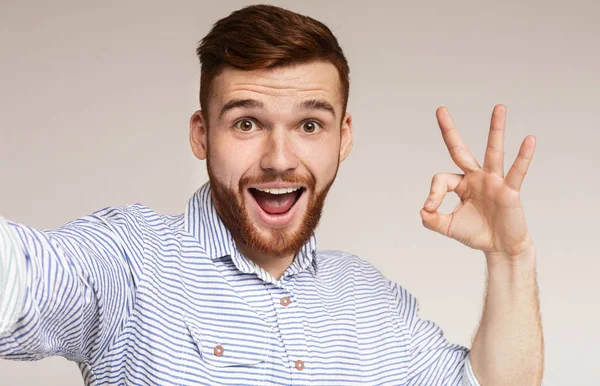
292, 333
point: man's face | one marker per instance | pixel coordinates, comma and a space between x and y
273, 146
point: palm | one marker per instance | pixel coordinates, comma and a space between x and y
490, 215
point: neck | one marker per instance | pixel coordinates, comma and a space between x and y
275, 265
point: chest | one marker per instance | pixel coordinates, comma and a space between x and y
197, 321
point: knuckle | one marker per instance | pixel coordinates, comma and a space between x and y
494, 150
437, 178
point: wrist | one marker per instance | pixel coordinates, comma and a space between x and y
524, 259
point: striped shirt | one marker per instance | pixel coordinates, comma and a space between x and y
138, 298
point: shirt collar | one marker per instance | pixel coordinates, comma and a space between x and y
204, 223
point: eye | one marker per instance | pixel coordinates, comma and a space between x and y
311, 127
245, 125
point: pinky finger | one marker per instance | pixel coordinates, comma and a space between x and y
516, 174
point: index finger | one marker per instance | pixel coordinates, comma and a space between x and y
461, 155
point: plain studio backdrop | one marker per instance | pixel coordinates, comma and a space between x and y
95, 100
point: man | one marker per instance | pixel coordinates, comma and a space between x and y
235, 291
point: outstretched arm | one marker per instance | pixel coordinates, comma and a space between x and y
68, 291
12, 277
508, 347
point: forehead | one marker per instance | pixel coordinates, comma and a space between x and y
280, 85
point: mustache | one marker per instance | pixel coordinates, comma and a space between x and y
289, 176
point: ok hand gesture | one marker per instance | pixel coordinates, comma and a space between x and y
490, 216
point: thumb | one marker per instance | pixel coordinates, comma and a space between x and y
436, 221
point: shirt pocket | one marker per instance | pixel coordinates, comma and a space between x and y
229, 343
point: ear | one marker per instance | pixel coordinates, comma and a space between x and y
346, 135
198, 135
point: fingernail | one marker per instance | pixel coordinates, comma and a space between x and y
428, 204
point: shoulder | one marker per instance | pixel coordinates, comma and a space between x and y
138, 215
132, 212
340, 260
138, 226
349, 266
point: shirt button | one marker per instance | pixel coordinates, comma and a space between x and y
299, 365
219, 350
285, 301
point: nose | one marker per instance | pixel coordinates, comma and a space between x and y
278, 155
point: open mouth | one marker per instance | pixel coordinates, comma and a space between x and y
276, 201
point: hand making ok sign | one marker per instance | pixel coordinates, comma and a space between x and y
490, 215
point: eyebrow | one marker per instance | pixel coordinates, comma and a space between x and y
317, 104
239, 103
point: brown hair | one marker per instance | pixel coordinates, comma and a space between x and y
266, 36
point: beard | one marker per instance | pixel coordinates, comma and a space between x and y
276, 242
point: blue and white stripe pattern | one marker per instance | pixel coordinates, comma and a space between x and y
138, 298
12, 277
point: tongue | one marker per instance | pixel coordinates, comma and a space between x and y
274, 203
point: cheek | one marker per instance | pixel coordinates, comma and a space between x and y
324, 170
322, 161
229, 161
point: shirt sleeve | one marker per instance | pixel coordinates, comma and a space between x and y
433, 360
468, 375
79, 286
12, 277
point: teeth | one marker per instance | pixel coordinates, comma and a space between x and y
278, 191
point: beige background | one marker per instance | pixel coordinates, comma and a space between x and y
95, 99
